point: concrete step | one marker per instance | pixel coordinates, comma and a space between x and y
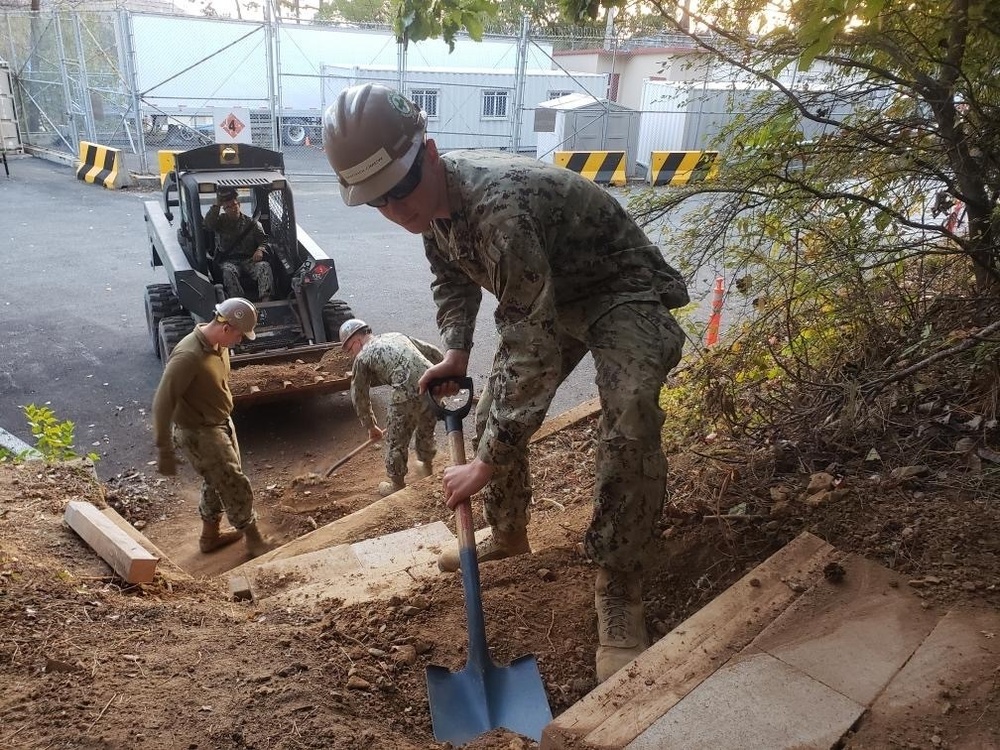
375, 568
813, 649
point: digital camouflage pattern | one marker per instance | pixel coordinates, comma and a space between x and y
215, 454
572, 273
235, 252
191, 409
260, 272
397, 360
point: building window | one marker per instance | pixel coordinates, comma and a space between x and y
494, 104
427, 100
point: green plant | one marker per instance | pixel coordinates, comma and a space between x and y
53, 438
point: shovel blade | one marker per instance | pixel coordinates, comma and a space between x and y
473, 701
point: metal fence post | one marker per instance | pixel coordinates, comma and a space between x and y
522, 61
83, 81
272, 56
126, 61
67, 91
401, 45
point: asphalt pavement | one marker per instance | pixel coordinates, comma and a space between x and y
73, 333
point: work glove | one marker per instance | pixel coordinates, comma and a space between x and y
166, 464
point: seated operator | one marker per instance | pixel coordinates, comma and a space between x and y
240, 246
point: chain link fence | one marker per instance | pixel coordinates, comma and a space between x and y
142, 82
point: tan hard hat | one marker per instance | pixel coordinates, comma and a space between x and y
371, 136
240, 314
351, 327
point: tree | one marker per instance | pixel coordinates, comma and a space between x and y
855, 211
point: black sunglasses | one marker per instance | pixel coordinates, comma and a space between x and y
405, 186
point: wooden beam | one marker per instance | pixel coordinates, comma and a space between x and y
126, 557
620, 709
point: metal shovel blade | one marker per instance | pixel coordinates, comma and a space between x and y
479, 698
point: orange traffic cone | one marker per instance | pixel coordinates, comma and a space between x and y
712, 332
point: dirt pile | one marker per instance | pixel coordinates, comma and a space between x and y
89, 663
335, 364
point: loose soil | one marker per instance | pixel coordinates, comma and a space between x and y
335, 365
87, 661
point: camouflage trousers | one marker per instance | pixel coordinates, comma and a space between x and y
408, 418
215, 455
634, 347
260, 272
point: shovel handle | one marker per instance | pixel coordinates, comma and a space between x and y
349, 456
452, 417
456, 442
478, 651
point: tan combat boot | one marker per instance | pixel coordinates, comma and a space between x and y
497, 546
257, 544
212, 538
621, 627
392, 485
423, 469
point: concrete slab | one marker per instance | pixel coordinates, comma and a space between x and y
953, 671
759, 702
854, 635
372, 569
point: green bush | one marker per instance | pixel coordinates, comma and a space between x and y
53, 438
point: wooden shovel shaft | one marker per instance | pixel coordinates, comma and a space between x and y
349, 456
463, 512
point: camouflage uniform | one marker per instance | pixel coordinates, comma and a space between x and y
235, 258
572, 273
194, 397
399, 361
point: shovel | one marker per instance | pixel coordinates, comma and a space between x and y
483, 696
348, 457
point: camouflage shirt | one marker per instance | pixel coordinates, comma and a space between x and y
557, 251
390, 359
229, 229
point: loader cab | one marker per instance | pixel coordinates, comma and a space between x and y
265, 197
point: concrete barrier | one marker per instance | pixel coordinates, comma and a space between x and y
604, 167
682, 167
102, 165
167, 160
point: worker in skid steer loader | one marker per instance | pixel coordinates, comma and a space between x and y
241, 246
192, 408
400, 361
572, 273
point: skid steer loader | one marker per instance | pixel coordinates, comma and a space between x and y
300, 323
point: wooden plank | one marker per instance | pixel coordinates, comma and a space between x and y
167, 567
240, 589
617, 711
125, 556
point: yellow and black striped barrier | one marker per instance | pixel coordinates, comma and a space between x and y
682, 167
102, 165
167, 160
605, 167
